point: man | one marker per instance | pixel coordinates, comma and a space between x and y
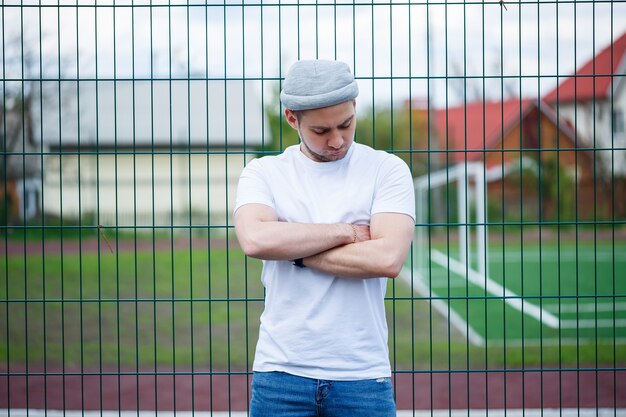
331, 219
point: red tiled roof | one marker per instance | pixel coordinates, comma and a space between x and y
479, 126
584, 86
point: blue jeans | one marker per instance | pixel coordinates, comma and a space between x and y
278, 394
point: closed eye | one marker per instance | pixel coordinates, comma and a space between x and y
320, 131
347, 123
323, 130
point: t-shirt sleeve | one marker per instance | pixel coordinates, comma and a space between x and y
253, 186
395, 192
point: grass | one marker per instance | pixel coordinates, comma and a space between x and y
167, 308
182, 308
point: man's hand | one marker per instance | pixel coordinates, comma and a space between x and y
362, 232
380, 255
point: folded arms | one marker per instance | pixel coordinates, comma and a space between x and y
377, 250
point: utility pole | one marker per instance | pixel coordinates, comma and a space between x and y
435, 162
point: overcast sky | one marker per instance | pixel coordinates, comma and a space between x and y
392, 48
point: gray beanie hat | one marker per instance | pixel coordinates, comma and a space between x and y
315, 84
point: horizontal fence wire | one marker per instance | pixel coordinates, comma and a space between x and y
125, 127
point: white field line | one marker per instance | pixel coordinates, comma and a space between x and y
496, 289
588, 307
496, 256
417, 282
546, 412
554, 341
533, 412
452, 283
590, 324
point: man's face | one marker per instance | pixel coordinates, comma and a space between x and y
326, 133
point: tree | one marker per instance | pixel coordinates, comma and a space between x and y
22, 153
282, 134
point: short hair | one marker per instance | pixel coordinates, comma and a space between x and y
298, 114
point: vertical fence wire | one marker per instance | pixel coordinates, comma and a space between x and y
5, 205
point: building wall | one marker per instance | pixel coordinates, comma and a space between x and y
125, 189
526, 138
594, 123
538, 192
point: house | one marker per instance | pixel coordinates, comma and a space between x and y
510, 136
147, 152
593, 100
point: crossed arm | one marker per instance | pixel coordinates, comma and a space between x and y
380, 248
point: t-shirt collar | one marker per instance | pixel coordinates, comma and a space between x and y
324, 165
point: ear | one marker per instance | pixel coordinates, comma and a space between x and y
291, 119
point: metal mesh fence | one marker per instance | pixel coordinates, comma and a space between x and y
125, 126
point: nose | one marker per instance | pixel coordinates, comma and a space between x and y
336, 140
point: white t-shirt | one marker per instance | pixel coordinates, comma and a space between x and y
314, 324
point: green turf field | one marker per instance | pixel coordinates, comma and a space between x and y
548, 292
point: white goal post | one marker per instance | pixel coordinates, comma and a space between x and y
471, 193
472, 179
